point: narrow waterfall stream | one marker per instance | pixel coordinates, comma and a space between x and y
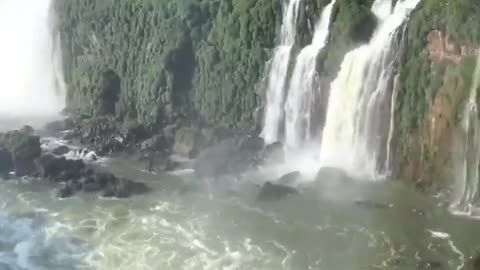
304, 85
466, 186
277, 75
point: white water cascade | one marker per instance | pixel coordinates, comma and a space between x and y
31, 82
303, 84
355, 125
466, 189
277, 76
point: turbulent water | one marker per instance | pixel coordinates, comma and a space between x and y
468, 160
304, 86
354, 136
31, 84
277, 74
189, 223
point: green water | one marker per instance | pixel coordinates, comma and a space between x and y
189, 223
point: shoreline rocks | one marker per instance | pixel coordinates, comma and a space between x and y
20, 151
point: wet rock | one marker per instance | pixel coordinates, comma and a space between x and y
24, 147
476, 262
60, 169
6, 163
272, 191
60, 125
123, 188
289, 179
68, 190
91, 184
61, 150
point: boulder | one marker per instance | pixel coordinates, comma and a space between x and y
60, 169
123, 188
272, 191
68, 190
476, 261
24, 147
60, 125
61, 150
6, 163
289, 179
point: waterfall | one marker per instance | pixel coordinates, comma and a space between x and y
353, 136
298, 106
466, 189
277, 77
31, 82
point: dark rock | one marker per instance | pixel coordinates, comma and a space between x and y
476, 262
59, 169
6, 163
289, 178
123, 188
61, 150
65, 192
90, 184
68, 190
272, 191
60, 125
24, 147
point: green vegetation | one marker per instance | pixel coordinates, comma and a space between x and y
422, 80
155, 61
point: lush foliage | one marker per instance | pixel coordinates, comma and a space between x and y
157, 60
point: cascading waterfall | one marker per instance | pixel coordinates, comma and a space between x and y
466, 189
31, 82
355, 125
298, 106
277, 77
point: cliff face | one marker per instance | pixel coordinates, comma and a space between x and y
435, 77
155, 61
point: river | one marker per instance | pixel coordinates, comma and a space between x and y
190, 223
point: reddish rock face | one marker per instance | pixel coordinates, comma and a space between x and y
440, 48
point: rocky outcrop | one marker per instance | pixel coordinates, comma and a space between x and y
24, 148
440, 48
272, 191
21, 152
